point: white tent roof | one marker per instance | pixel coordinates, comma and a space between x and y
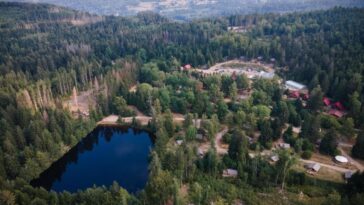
296, 85
341, 159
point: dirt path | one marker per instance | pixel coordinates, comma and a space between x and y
220, 149
109, 120
336, 168
218, 137
342, 144
140, 117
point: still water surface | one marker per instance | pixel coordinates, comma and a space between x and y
104, 156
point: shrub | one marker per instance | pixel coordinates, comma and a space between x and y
306, 154
226, 138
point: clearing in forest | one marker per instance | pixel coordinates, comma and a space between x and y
251, 68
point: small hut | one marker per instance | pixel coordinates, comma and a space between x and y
348, 175
315, 167
230, 173
274, 158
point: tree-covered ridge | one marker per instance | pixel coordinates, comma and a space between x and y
192, 9
46, 57
317, 48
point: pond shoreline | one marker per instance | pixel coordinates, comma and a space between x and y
102, 135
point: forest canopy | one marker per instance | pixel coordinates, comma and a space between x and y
48, 53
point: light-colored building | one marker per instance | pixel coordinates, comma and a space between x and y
266, 75
284, 145
348, 175
292, 85
274, 158
313, 167
179, 142
230, 173
200, 152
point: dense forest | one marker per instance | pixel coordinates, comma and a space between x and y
192, 9
46, 52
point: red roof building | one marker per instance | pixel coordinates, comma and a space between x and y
336, 113
294, 94
187, 67
326, 101
305, 96
339, 106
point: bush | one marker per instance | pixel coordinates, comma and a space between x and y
307, 145
306, 154
296, 178
314, 191
253, 146
268, 145
226, 138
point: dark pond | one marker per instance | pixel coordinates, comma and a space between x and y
104, 156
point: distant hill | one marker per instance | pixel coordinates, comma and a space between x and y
187, 9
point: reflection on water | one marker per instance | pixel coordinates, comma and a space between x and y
104, 156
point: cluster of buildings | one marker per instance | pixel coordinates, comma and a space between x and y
313, 168
254, 68
296, 90
237, 29
299, 91
251, 73
335, 109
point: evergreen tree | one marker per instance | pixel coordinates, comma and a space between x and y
329, 143
358, 148
315, 101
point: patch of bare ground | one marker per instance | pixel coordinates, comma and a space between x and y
133, 89
79, 103
178, 118
184, 190
325, 173
85, 20
221, 148
250, 68
324, 159
80, 21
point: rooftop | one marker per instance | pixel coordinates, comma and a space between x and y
274, 158
314, 166
294, 85
341, 159
230, 173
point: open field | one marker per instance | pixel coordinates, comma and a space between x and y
325, 173
251, 69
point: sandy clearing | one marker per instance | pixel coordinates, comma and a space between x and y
250, 68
